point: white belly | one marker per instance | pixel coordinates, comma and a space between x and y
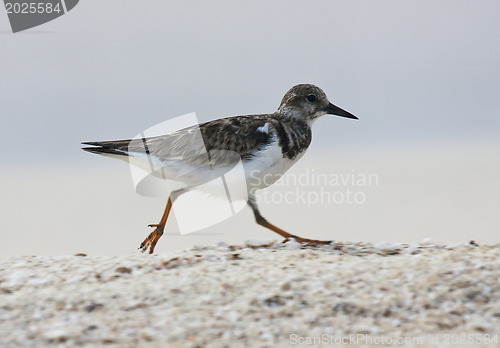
267, 167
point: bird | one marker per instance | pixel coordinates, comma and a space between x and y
267, 145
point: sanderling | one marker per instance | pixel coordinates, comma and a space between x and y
267, 145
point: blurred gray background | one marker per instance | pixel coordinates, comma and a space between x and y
422, 76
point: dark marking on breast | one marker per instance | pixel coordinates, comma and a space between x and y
294, 137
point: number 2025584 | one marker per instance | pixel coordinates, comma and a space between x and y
32, 7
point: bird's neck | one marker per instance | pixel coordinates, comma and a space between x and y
295, 115
291, 113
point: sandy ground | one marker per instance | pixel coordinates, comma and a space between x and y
255, 296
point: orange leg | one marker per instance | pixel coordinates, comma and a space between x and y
154, 236
263, 222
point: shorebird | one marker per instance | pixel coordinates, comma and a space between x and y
267, 145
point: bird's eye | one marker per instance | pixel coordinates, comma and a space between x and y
311, 98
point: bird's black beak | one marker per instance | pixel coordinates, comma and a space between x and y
335, 110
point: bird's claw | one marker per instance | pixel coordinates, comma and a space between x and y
308, 242
151, 240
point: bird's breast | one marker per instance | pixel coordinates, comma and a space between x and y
268, 165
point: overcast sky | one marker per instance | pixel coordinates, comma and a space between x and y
414, 72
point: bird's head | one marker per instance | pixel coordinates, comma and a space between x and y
309, 102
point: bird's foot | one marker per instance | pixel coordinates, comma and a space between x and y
152, 239
308, 242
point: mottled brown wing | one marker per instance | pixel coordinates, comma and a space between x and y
217, 143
